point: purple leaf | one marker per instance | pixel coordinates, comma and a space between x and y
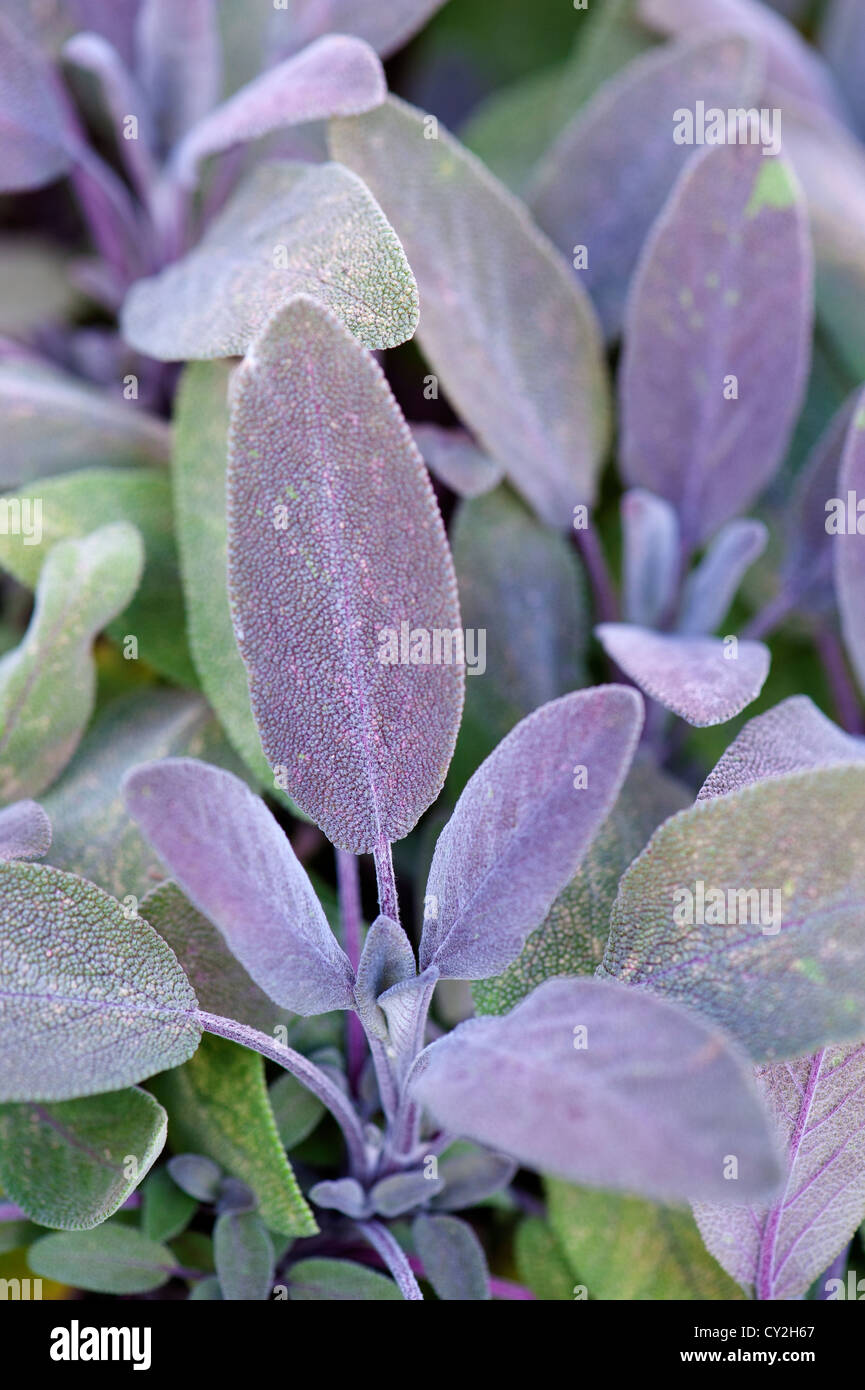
234, 863
712, 586
522, 826
344, 617
179, 62
605, 1086
849, 543
808, 565
790, 737
121, 97
33, 134
717, 337
626, 133
747, 910
818, 1105
789, 61
842, 38
385, 27
387, 959
469, 1175
341, 1194
504, 325
290, 229
456, 460
25, 831
453, 1258
335, 76
702, 679
91, 999
403, 1192
651, 557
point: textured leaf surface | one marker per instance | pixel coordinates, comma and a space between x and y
290, 229
236, 865
625, 134
781, 992
90, 1000
522, 586
849, 546
573, 936
67, 1165
790, 737
453, 1258
33, 136
503, 323
166, 1209
721, 302
651, 558
75, 504
111, 1259
92, 832
217, 1106
385, 27
47, 682
198, 471
339, 1281
624, 1249
51, 423
244, 1256
695, 677
335, 76
456, 460
649, 1070
521, 828
221, 984
712, 586
25, 831
321, 465
818, 1104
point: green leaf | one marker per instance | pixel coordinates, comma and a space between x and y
522, 586
166, 1209
51, 423
217, 1105
453, 1258
90, 999
219, 980
47, 682
626, 1249
289, 229
244, 1256
784, 978
540, 1263
339, 1281
74, 504
71, 1165
92, 832
200, 456
111, 1259
573, 938
295, 1109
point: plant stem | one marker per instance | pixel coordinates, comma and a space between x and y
351, 913
307, 1073
383, 1243
845, 698
387, 899
606, 603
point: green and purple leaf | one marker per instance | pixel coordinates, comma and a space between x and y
25, 831
791, 737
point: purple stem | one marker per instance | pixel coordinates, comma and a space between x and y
383, 1243
769, 617
844, 696
351, 913
10, 1212
606, 602
387, 899
307, 1073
